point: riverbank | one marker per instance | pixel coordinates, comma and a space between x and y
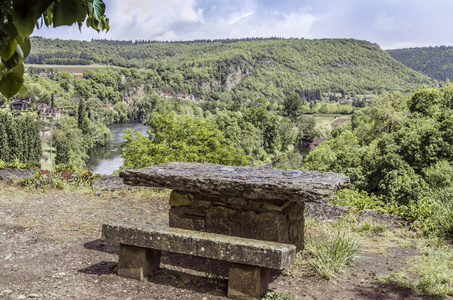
105, 160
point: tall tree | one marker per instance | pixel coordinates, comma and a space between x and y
63, 151
179, 138
292, 105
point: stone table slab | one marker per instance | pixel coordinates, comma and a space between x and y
258, 183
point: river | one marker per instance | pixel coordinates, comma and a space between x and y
105, 160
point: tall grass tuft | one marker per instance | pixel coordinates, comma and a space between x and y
331, 255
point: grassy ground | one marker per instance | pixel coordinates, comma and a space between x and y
49, 165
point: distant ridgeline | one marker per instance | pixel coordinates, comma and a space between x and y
435, 62
262, 68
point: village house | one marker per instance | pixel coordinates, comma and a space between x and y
45, 111
165, 95
316, 142
18, 105
45, 132
188, 97
108, 105
340, 121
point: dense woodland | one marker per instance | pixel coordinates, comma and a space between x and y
260, 69
435, 62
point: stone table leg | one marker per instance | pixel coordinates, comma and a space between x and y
247, 282
137, 262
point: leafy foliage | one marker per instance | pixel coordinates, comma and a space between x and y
19, 18
178, 138
435, 62
402, 153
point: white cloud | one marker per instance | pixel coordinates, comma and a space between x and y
147, 19
238, 17
390, 23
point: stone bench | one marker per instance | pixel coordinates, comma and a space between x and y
250, 260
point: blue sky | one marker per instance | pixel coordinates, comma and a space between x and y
389, 23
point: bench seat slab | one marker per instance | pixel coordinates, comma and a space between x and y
209, 245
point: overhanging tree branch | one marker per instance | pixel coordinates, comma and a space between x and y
18, 18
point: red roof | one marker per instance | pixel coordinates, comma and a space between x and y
317, 141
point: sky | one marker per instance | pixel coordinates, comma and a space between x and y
392, 24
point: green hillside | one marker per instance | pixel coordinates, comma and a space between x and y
260, 68
435, 62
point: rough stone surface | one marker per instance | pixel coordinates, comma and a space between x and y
244, 182
223, 221
265, 226
210, 245
136, 262
178, 219
12, 174
109, 183
296, 221
179, 199
247, 282
281, 222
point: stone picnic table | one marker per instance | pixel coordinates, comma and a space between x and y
252, 202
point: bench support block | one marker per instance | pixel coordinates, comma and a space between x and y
247, 282
137, 262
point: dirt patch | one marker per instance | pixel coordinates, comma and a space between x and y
50, 249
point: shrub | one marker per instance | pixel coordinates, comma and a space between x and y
360, 200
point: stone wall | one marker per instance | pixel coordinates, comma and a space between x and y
279, 221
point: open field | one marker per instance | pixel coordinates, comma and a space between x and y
74, 69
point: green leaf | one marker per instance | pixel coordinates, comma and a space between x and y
48, 15
65, 13
12, 62
26, 13
25, 46
7, 48
8, 28
98, 9
81, 13
12, 82
96, 15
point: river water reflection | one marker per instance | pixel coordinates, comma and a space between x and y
107, 159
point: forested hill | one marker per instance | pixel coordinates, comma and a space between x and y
267, 67
435, 62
